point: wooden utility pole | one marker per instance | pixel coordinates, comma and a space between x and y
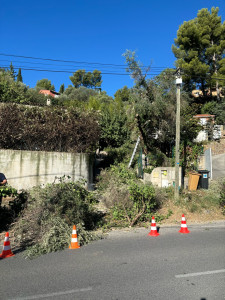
177, 156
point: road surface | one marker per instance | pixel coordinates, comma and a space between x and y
218, 166
125, 265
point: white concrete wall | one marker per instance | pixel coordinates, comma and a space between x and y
202, 136
25, 169
162, 176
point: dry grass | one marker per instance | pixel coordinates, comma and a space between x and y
201, 206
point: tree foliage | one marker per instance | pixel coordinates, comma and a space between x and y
87, 79
114, 126
76, 96
154, 102
45, 84
62, 88
122, 94
113, 120
138, 72
199, 49
19, 76
12, 72
12, 91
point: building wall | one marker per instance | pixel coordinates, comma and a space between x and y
162, 176
25, 169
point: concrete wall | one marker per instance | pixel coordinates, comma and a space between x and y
162, 176
25, 169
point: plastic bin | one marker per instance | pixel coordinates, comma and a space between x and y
193, 181
204, 179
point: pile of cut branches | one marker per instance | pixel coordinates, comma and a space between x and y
45, 225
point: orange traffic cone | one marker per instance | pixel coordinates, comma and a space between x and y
6, 252
183, 228
74, 243
153, 231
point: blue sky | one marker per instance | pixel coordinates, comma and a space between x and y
92, 31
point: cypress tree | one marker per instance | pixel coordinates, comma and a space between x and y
62, 89
19, 76
12, 72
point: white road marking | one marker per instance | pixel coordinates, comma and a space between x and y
200, 273
54, 294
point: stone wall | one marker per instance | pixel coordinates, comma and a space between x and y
25, 169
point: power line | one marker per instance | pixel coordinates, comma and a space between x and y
70, 61
55, 65
70, 71
105, 72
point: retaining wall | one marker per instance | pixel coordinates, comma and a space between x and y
25, 169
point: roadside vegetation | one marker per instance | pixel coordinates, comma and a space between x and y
42, 218
85, 119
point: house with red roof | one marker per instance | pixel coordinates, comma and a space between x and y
49, 93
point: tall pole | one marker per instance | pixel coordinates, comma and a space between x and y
177, 156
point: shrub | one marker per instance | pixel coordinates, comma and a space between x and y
132, 204
142, 198
8, 214
128, 200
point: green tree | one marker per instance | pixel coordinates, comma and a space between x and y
96, 79
76, 96
114, 127
17, 92
199, 49
44, 84
154, 103
139, 74
215, 108
112, 119
122, 94
12, 71
86, 79
77, 78
19, 76
62, 88
10, 90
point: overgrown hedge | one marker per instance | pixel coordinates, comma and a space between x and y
47, 129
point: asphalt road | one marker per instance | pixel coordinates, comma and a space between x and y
126, 265
218, 166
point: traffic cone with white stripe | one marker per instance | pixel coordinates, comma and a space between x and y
183, 228
153, 231
6, 252
74, 242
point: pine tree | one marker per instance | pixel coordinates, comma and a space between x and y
19, 76
199, 49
